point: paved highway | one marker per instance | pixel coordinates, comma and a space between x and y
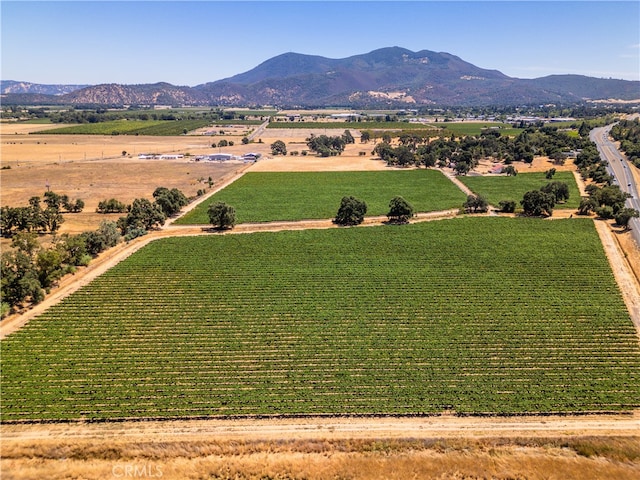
621, 171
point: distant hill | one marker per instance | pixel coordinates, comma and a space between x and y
12, 86
391, 76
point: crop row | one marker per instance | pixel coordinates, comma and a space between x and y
263, 197
132, 127
415, 319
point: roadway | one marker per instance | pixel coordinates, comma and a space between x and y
620, 169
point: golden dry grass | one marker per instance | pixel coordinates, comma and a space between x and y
524, 458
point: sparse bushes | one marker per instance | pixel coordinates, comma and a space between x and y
507, 206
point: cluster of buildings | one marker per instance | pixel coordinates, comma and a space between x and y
225, 157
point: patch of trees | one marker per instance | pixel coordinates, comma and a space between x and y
144, 215
606, 202
29, 270
591, 166
170, 201
329, 146
627, 132
111, 206
35, 218
463, 154
541, 202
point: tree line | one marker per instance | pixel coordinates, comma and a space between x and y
29, 270
35, 218
627, 132
464, 153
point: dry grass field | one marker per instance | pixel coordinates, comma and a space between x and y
93, 169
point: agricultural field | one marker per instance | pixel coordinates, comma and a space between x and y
352, 125
133, 127
271, 196
415, 319
498, 188
476, 128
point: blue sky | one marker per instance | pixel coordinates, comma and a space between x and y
189, 43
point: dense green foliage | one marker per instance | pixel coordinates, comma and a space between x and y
35, 218
221, 215
28, 269
627, 132
498, 188
342, 321
263, 197
351, 211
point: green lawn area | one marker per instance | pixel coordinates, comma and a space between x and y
498, 188
475, 315
264, 197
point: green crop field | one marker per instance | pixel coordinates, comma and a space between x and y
263, 197
132, 127
498, 188
472, 315
476, 128
353, 125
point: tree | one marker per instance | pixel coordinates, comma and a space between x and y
19, 279
400, 211
49, 266
75, 207
507, 206
587, 204
559, 190
170, 201
221, 215
278, 148
52, 219
143, 216
347, 137
510, 171
26, 242
351, 211
537, 203
111, 206
550, 173
476, 204
624, 215
365, 136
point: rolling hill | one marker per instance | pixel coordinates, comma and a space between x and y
391, 76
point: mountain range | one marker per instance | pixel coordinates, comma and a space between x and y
386, 77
